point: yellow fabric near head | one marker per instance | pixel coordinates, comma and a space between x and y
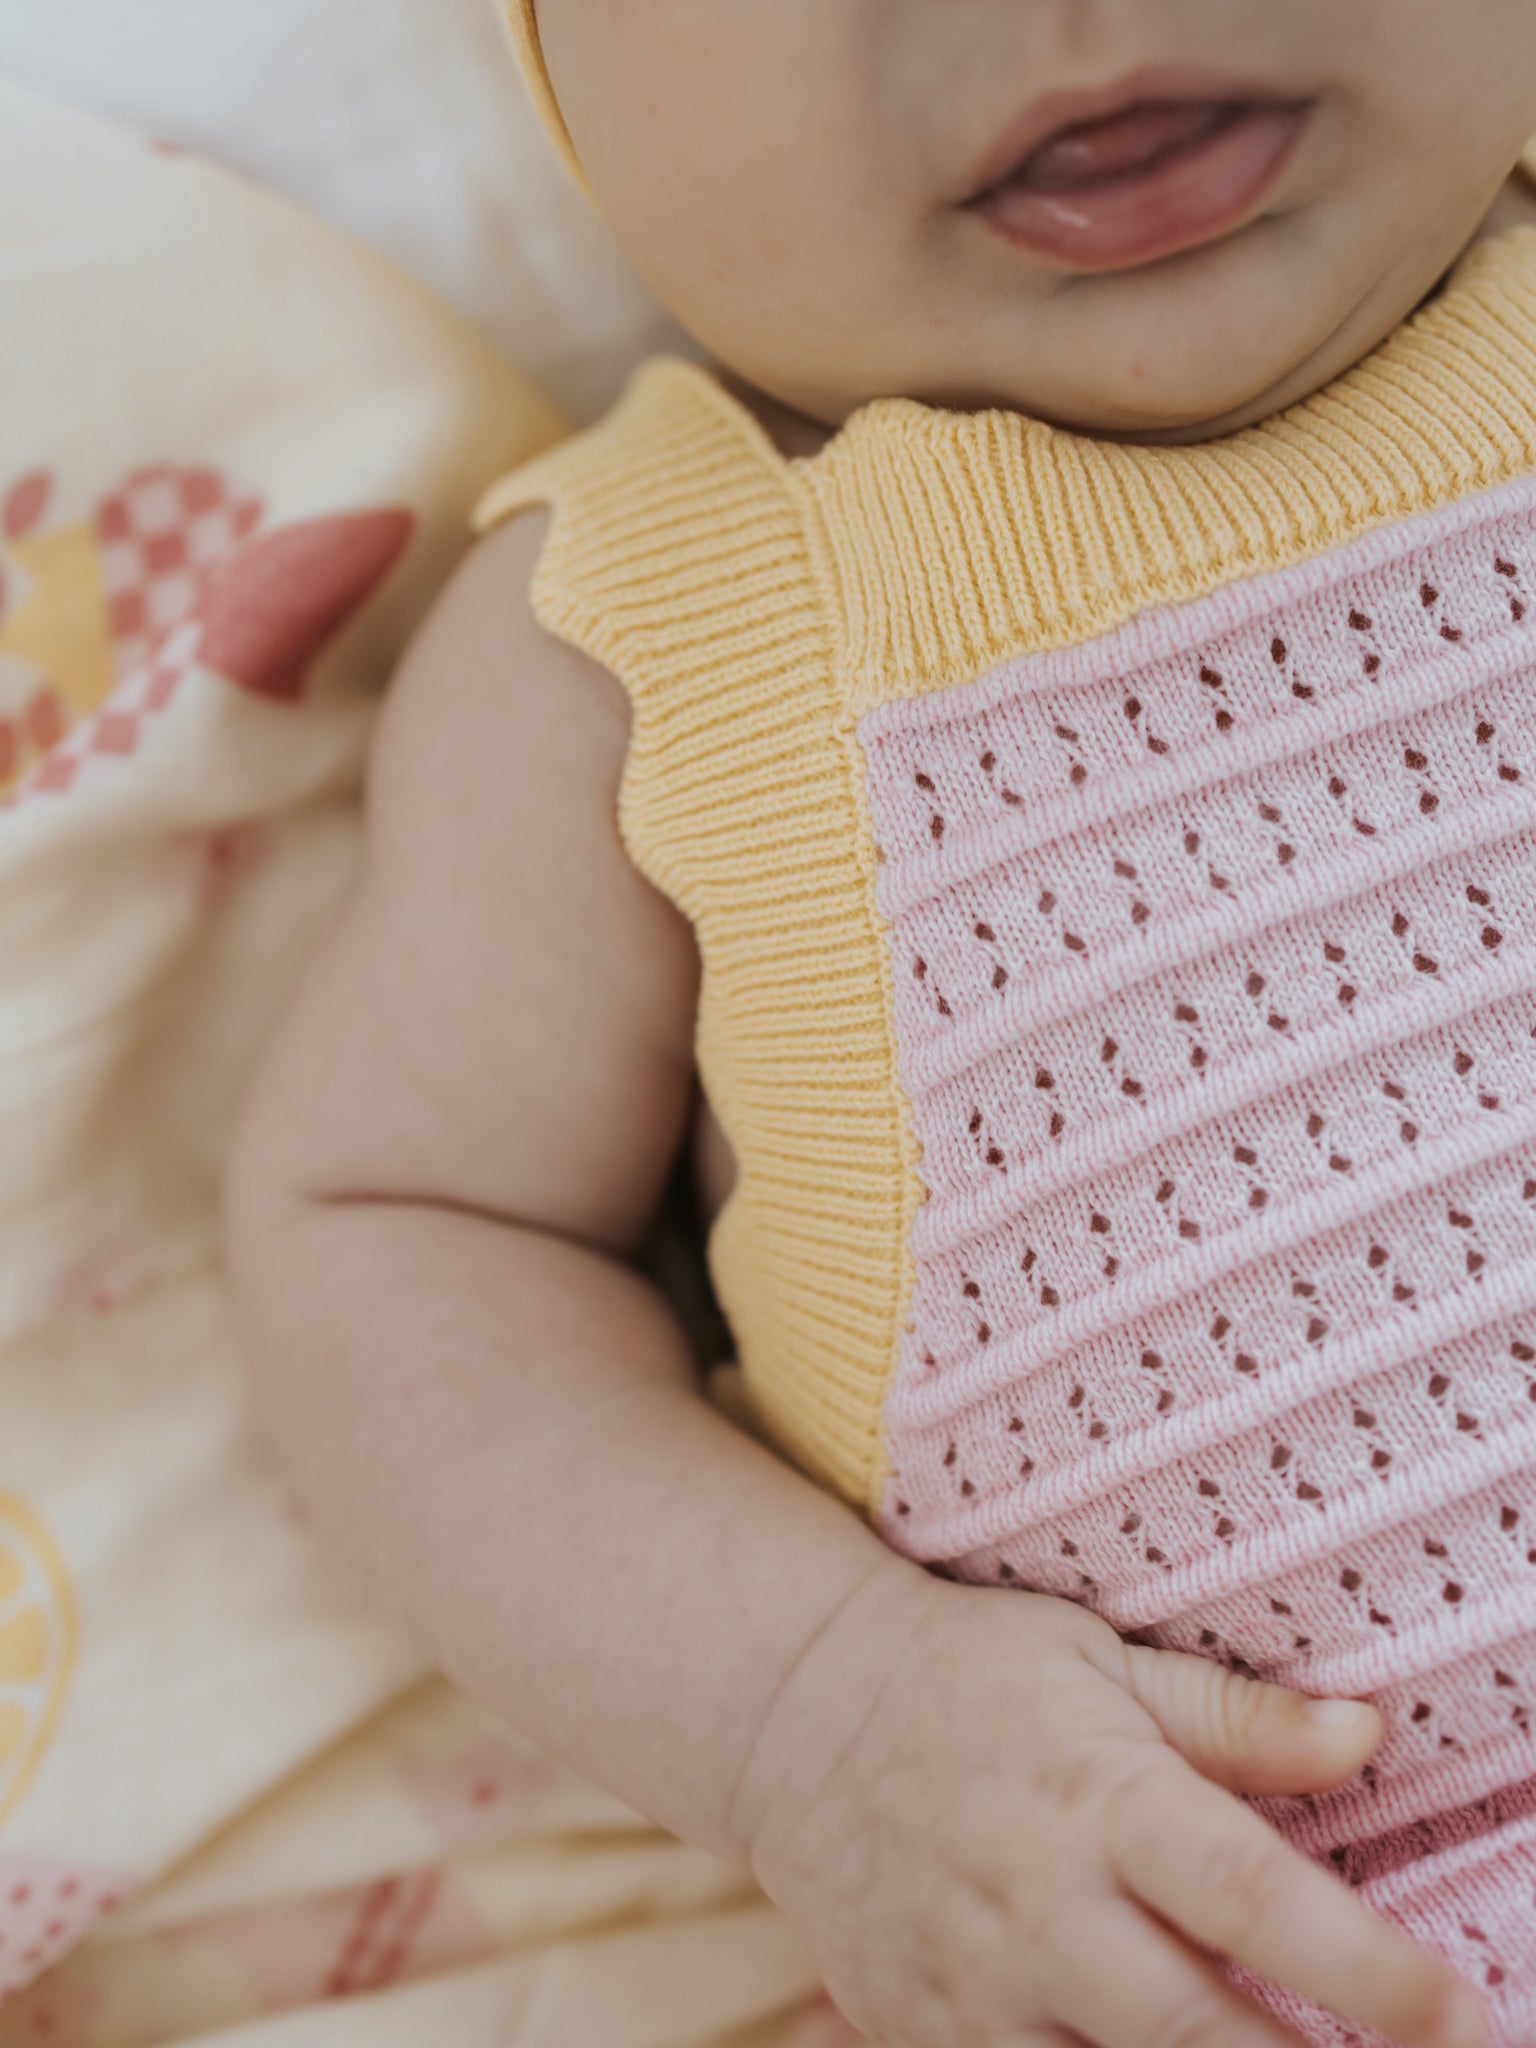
522, 20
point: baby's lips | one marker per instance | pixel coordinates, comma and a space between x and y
1092, 151
1183, 198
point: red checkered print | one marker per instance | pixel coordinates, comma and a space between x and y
160, 535
117, 726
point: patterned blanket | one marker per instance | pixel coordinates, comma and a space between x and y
237, 455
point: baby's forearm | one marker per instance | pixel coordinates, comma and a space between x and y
505, 1429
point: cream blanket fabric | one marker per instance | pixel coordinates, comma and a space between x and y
402, 121
237, 454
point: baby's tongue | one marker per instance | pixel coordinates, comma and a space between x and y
1095, 151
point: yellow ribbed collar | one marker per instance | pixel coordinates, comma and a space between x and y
948, 542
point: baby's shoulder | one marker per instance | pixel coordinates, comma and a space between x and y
502, 1017
494, 785
487, 680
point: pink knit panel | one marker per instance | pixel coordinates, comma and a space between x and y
1214, 949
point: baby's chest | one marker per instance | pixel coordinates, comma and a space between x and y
1212, 955
1212, 967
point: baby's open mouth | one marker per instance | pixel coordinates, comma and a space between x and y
1146, 179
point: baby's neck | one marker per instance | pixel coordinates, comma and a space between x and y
792, 433
1515, 207
795, 434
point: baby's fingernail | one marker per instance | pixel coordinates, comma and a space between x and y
1334, 1714
1463, 2022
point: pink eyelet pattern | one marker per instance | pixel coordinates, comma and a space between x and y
1214, 955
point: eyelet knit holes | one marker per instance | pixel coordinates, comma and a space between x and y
1218, 1027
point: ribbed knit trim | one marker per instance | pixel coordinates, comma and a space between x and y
961, 540
678, 559
756, 607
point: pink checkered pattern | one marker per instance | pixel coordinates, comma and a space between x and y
160, 536
118, 726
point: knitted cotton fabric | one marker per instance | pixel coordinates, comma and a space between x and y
1115, 873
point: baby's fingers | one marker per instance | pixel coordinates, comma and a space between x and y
1244, 1734
1223, 1877
1120, 1981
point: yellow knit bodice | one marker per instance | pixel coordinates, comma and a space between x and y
755, 608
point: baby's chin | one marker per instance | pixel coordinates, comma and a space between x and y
1185, 373
1181, 385
801, 422
1124, 403
1179, 411
1184, 351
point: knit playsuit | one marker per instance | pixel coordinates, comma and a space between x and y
1115, 876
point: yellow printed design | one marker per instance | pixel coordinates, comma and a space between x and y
37, 1646
102, 622
86, 604
56, 655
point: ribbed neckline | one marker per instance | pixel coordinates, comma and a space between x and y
950, 541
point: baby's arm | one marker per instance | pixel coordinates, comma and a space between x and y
464, 1125
462, 1130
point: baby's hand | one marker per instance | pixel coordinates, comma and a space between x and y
1012, 1832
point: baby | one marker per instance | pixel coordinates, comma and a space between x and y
1047, 722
